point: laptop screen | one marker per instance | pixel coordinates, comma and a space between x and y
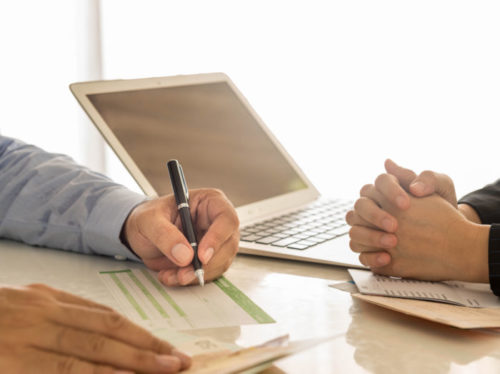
209, 130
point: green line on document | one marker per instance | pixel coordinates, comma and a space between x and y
115, 271
127, 294
164, 293
150, 297
243, 301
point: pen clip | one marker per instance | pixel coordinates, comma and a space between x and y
184, 184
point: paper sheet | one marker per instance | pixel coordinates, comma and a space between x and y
452, 315
146, 301
457, 293
260, 356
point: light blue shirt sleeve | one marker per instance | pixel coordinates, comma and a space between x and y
48, 200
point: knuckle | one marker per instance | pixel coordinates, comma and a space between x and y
61, 338
141, 358
40, 287
114, 321
352, 232
96, 343
156, 344
354, 246
349, 217
380, 179
362, 259
66, 365
358, 204
428, 175
366, 189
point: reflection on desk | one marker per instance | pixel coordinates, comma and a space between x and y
371, 339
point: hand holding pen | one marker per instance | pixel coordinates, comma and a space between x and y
153, 232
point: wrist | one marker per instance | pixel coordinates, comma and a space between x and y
469, 213
474, 253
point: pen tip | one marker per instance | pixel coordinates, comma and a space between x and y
200, 274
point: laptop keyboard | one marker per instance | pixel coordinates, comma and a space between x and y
302, 228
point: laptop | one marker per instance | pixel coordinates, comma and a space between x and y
206, 123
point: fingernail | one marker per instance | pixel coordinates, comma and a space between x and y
418, 187
182, 254
208, 255
401, 201
169, 362
387, 241
185, 359
387, 224
122, 372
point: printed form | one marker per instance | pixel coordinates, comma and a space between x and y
457, 293
146, 301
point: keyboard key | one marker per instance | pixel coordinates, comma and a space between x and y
285, 242
268, 239
298, 246
316, 240
251, 238
306, 242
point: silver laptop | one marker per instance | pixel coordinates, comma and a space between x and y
206, 123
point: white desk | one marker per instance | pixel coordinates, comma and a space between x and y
297, 296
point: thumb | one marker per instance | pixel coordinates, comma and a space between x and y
429, 182
404, 176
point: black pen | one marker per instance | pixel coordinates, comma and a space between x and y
182, 199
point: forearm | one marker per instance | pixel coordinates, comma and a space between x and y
48, 200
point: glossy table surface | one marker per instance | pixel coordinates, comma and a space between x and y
366, 338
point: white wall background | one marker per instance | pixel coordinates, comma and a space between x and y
343, 84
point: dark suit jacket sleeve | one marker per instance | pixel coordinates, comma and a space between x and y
486, 202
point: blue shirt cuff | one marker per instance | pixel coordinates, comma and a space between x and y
102, 232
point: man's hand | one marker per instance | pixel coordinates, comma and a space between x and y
373, 228
154, 232
44, 330
434, 242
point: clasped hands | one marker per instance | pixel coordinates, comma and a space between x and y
410, 225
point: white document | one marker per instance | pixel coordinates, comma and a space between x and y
473, 295
146, 301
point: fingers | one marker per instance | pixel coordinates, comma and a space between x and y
217, 219
68, 298
365, 239
95, 347
166, 237
429, 182
388, 186
375, 260
404, 176
367, 213
222, 258
34, 361
111, 324
218, 265
83, 337
222, 228
151, 232
425, 184
114, 325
